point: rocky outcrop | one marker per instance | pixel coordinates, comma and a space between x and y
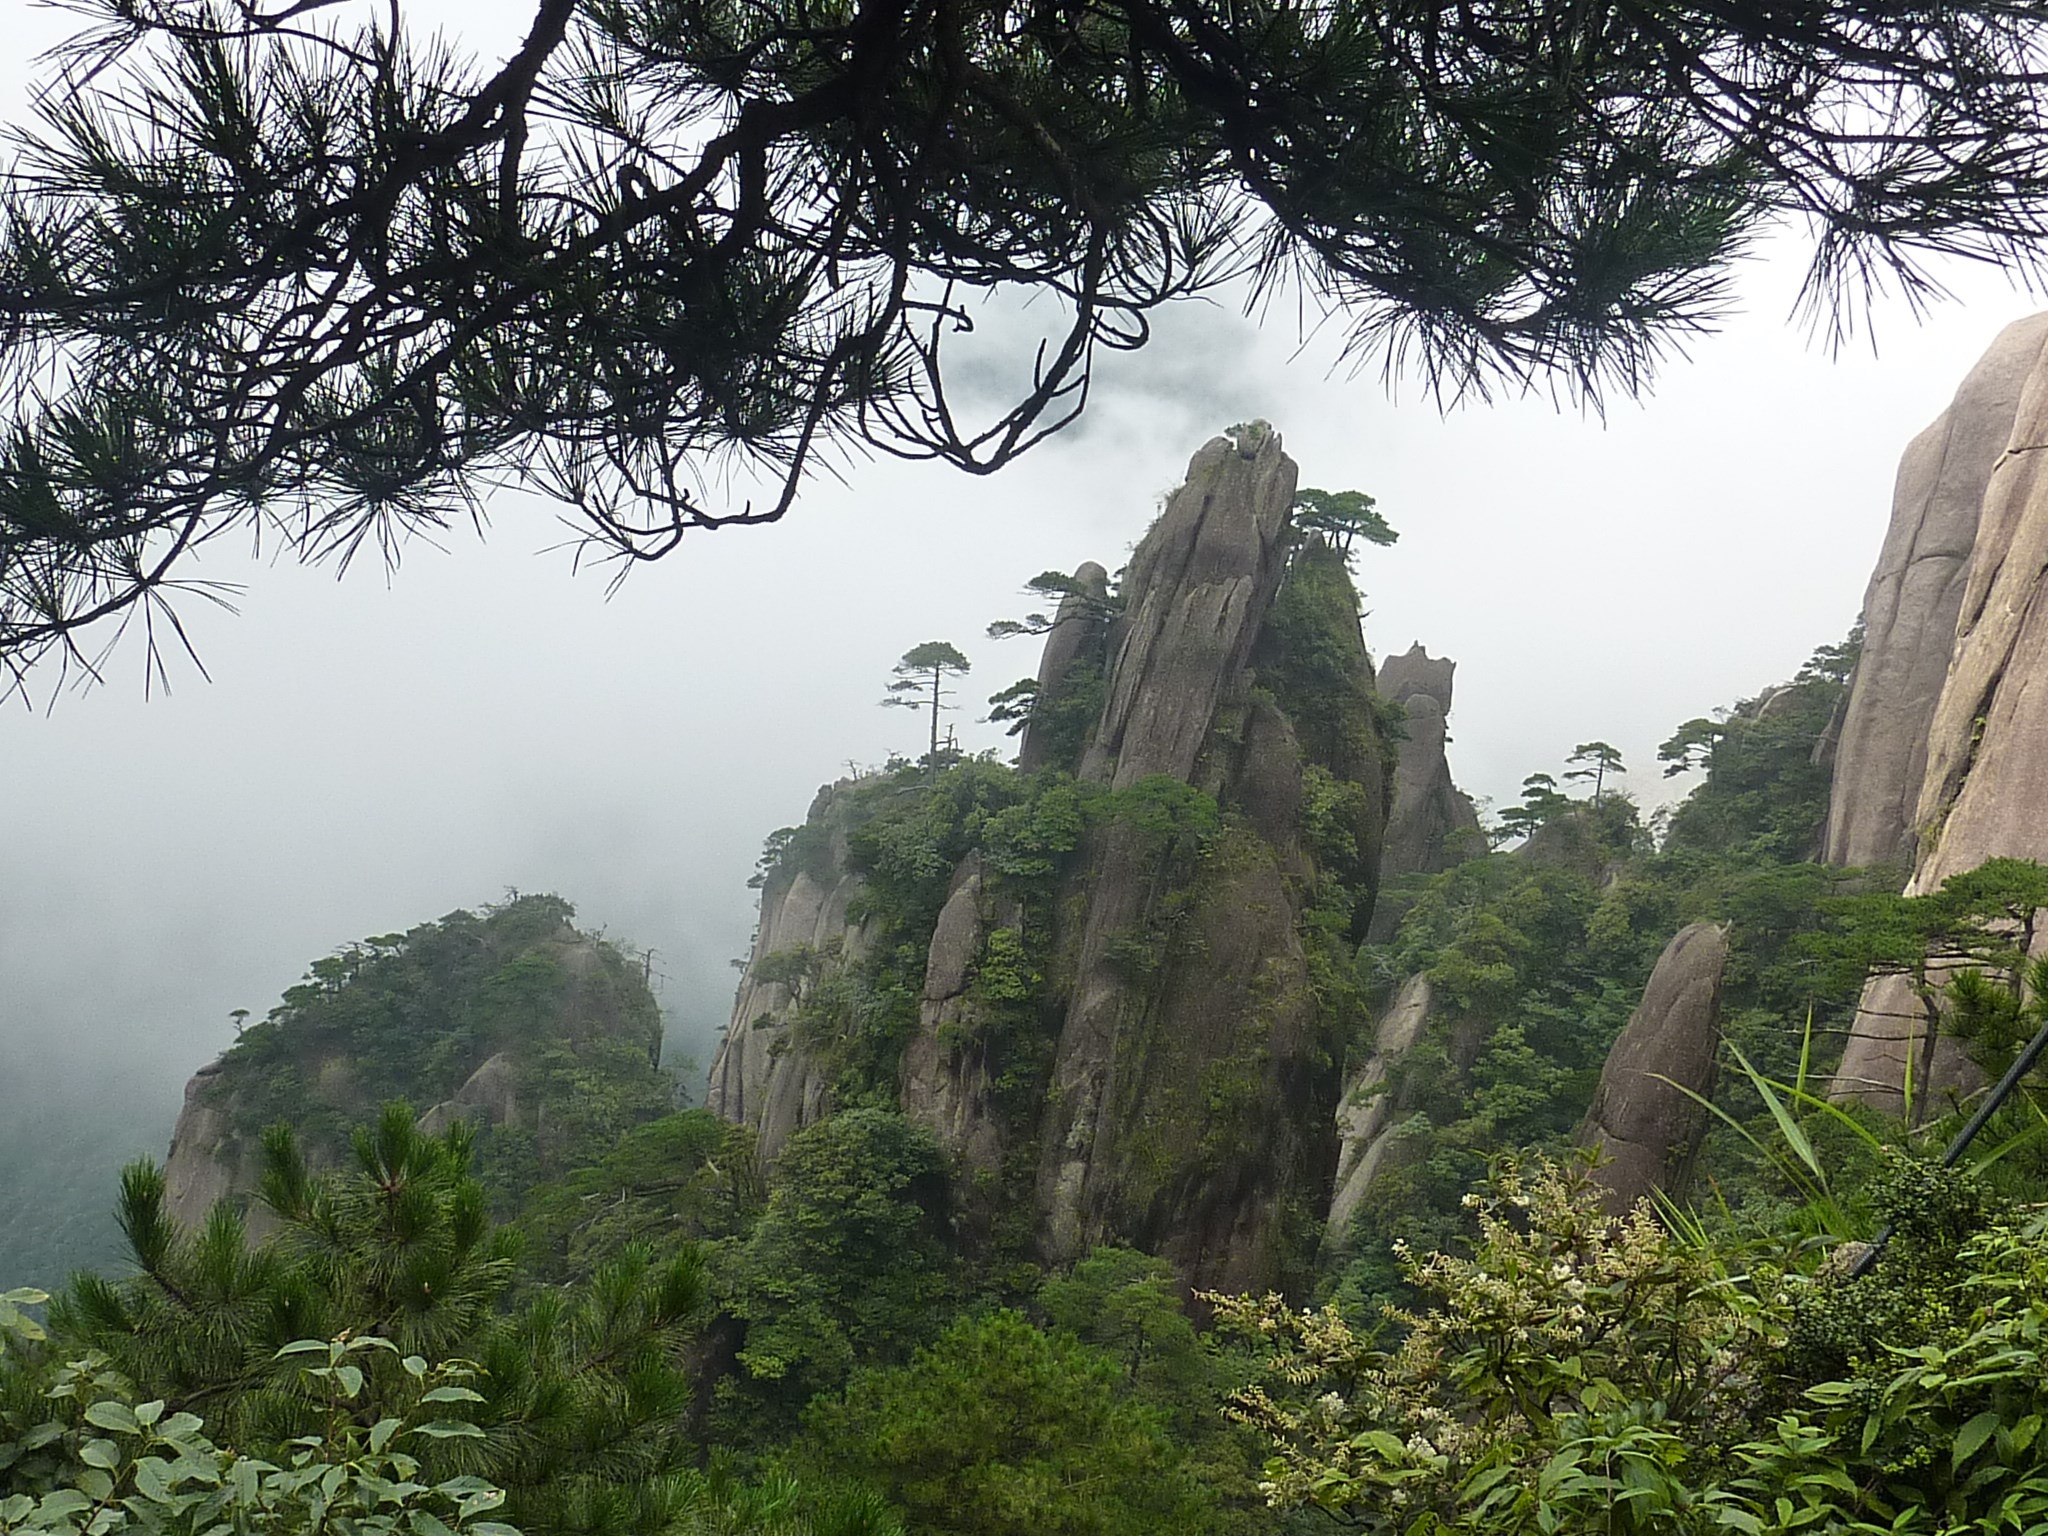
1644, 1125
946, 1085
1915, 599
1979, 750
1432, 824
1985, 793
1121, 1152
1074, 642
1366, 1116
1197, 590
760, 1076
204, 1165
1124, 1040
490, 1094
454, 1014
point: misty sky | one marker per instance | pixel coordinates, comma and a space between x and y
368, 755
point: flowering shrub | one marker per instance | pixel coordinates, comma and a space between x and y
1572, 1361
1582, 1375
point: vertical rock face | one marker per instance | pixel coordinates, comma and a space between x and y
946, 1083
1432, 824
1646, 1129
1913, 603
1076, 639
1985, 794
1982, 746
1198, 589
760, 1076
202, 1167
1366, 1114
1130, 1043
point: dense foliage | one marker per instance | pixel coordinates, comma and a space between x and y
1577, 1374
413, 1015
571, 1311
1537, 954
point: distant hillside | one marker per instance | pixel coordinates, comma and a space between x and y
545, 1036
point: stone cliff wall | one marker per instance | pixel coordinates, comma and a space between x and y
1198, 590
760, 1076
1913, 603
1980, 747
1188, 1102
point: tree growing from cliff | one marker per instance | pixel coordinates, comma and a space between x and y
1963, 951
1541, 801
292, 270
1059, 589
921, 684
1598, 762
1342, 517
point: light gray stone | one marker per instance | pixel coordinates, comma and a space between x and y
1915, 600
1077, 633
1643, 1123
945, 1078
1366, 1114
1197, 589
760, 1076
489, 1094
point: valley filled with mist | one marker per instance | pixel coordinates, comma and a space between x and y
904, 770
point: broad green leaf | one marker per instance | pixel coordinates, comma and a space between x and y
108, 1413
1971, 1437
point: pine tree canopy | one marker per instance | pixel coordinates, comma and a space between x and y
301, 269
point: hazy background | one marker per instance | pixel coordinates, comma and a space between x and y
367, 755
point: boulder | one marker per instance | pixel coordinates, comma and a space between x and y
1913, 603
1646, 1128
489, 1094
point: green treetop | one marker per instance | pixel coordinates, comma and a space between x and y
1342, 517
920, 684
1598, 762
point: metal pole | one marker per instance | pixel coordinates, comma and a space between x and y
2022, 1064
